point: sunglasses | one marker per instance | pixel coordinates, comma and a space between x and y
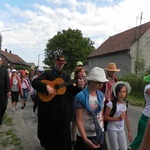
99, 82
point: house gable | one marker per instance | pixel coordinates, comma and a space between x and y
13, 59
121, 41
123, 49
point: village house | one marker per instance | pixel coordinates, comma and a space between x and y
11, 60
31, 64
124, 49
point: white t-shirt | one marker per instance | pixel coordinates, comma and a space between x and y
87, 119
24, 84
14, 87
117, 125
146, 110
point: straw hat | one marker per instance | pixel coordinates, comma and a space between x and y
147, 78
112, 67
97, 74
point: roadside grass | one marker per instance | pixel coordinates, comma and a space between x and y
136, 100
7, 135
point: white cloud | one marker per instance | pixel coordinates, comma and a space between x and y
31, 28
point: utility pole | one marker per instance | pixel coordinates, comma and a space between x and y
38, 60
139, 32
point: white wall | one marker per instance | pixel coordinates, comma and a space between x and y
122, 60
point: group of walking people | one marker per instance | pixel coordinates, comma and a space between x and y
17, 85
80, 113
93, 100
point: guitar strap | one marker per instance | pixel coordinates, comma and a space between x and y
62, 74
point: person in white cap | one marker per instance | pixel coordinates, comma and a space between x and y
33, 92
79, 64
115, 127
16, 89
88, 107
9, 72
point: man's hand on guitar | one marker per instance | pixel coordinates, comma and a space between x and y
55, 87
50, 90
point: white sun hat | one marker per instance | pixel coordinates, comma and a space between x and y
40, 69
14, 70
121, 82
97, 74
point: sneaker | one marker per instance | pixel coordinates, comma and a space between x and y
33, 114
22, 107
13, 110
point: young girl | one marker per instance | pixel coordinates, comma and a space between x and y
115, 127
88, 107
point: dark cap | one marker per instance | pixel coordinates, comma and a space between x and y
60, 58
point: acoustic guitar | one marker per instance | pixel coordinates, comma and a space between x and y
59, 87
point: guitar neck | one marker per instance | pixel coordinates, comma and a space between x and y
67, 83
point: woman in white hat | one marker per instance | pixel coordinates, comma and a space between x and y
144, 117
16, 89
88, 107
115, 127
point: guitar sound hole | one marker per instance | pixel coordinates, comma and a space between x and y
56, 86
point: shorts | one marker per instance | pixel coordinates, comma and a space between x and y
14, 96
25, 94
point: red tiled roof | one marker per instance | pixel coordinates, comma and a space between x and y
121, 41
13, 58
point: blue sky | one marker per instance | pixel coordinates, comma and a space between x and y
34, 22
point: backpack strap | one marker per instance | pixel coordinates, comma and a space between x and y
114, 108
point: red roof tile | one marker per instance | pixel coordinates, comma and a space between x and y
121, 41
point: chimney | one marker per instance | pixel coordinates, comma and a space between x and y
9, 51
5, 49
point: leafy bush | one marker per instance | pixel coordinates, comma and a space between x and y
137, 84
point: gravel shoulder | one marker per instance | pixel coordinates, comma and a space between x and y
24, 126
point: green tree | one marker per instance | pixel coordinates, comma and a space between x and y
75, 48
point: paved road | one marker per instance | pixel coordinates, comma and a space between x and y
23, 117
134, 116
